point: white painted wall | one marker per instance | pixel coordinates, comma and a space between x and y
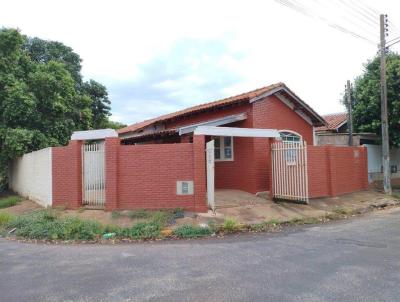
31, 176
375, 161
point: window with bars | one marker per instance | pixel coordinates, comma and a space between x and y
290, 154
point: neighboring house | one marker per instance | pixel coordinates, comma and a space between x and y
241, 162
336, 132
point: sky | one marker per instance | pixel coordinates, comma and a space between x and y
157, 57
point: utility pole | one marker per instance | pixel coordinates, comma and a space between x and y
350, 111
384, 114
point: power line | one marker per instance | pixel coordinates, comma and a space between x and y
301, 9
354, 13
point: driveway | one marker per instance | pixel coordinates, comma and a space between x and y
354, 260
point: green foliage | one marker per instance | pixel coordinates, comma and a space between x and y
367, 108
5, 218
139, 214
45, 224
9, 201
143, 230
42, 96
190, 231
230, 225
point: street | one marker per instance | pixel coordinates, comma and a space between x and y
352, 260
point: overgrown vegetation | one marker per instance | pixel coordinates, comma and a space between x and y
230, 225
191, 231
5, 218
162, 216
9, 201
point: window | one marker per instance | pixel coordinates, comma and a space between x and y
290, 137
223, 148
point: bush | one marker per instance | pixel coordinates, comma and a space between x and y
5, 218
9, 201
143, 230
230, 225
190, 231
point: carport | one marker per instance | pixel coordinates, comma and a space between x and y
210, 149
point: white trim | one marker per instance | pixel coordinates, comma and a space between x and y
291, 131
340, 125
94, 134
216, 122
232, 131
281, 88
222, 149
314, 134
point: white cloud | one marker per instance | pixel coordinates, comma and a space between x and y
260, 42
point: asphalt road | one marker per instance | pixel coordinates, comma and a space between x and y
354, 260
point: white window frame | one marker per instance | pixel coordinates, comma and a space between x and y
222, 148
291, 132
290, 156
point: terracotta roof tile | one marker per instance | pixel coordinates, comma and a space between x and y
230, 100
227, 101
333, 120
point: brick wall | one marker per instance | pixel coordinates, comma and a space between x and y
335, 170
147, 176
67, 175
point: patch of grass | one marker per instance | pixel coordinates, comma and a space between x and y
230, 225
342, 211
5, 218
396, 195
190, 231
143, 230
139, 214
46, 224
9, 201
265, 226
115, 214
305, 220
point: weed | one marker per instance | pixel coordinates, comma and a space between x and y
5, 218
139, 214
341, 211
190, 231
230, 225
143, 230
81, 210
115, 214
9, 201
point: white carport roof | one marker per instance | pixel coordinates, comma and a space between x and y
232, 131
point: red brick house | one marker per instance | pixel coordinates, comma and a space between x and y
259, 141
240, 162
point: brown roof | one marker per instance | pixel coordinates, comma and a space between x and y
203, 107
334, 121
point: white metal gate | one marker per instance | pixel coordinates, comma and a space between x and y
93, 175
289, 171
210, 174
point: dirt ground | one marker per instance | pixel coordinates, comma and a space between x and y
244, 207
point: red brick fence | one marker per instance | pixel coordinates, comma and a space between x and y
146, 176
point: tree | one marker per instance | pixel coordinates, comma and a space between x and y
42, 96
100, 103
367, 98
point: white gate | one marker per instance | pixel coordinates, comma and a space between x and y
210, 174
93, 175
289, 171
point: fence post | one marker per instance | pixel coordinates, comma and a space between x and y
200, 203
112, 145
